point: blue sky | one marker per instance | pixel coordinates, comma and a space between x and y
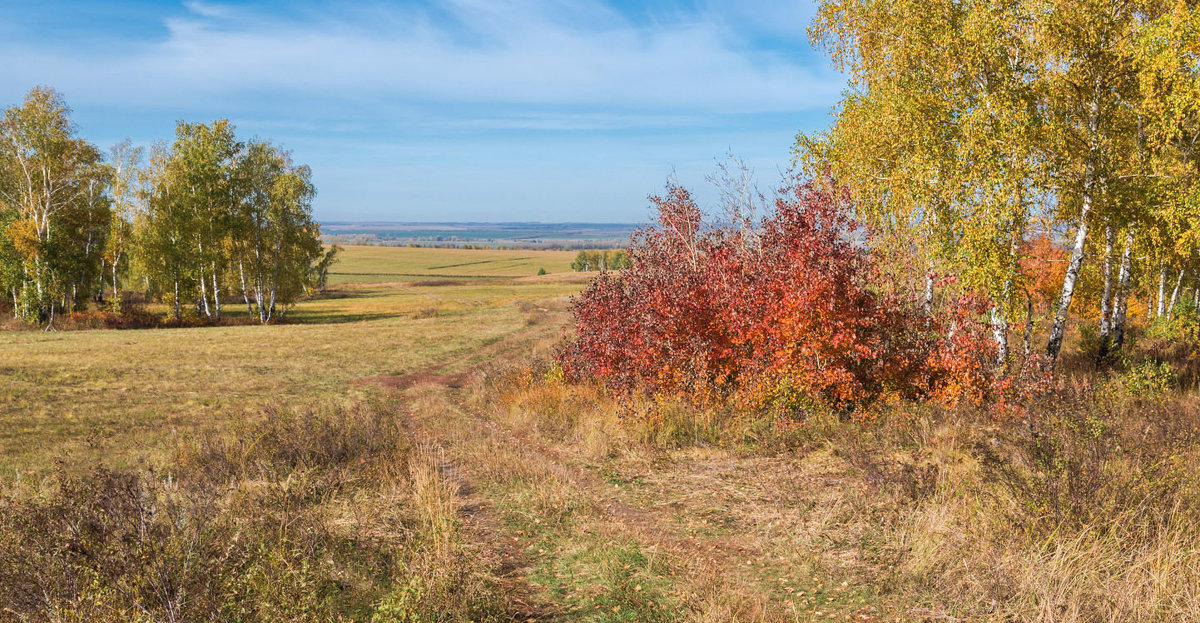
466, 110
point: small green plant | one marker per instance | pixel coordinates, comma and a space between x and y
1179, 325
1148, 378
541, 271
401, 605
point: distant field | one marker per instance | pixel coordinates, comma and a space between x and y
380, 264
115, 395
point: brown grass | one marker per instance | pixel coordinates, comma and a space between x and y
293, 515
1085, 511
431, 472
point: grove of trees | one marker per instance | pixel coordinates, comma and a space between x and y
969, 130
607, 259
204, 219
996, 170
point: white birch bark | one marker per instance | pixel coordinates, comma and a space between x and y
1162, 291
1174, 296
1122, 298
216, 292
1072, 275
1107, 293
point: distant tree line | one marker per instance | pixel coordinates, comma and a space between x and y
611, 259
208, 216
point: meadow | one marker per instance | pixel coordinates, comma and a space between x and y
375, 264
109, 393
406, 450
945, 368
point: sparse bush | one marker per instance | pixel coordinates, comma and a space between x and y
1147, 378
243, 527
112, 545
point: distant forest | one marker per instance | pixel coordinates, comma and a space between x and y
570, 236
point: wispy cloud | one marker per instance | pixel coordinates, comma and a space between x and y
554, 109
503, 53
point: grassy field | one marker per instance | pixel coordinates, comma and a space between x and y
363, 264
403, 451
81, 395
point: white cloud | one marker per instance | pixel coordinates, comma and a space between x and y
514, 54
554, 109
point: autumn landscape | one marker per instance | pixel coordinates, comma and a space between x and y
941, 363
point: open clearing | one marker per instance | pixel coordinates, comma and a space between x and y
117, 395
572, 522
376, 264
514, 497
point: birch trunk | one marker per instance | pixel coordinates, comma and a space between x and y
1106, 294
1072, 275
1174, 296
203, 295
271, 309
258, 301
216, 292
245, 292
100, 283
927, 301
1122, 302
1000, 334
116, 297
1162, 291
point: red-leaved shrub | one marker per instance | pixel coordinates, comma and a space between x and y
782, 316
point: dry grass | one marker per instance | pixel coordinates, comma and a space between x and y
290, 515
405, 453
82, 395
376, 264
1087, 512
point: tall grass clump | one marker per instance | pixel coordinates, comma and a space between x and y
314, 514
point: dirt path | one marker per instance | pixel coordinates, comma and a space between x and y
693, 534
499, 553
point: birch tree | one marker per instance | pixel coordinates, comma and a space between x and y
276, 242
202, 162
935, 136
56, 202
125, 161
981, 111
164, 232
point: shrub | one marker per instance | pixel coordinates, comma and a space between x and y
1147, 378
246, 527
784, 317
122, 546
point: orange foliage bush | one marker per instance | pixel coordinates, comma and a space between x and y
784, 317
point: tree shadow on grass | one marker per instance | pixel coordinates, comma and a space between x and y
337, 317
304, 314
